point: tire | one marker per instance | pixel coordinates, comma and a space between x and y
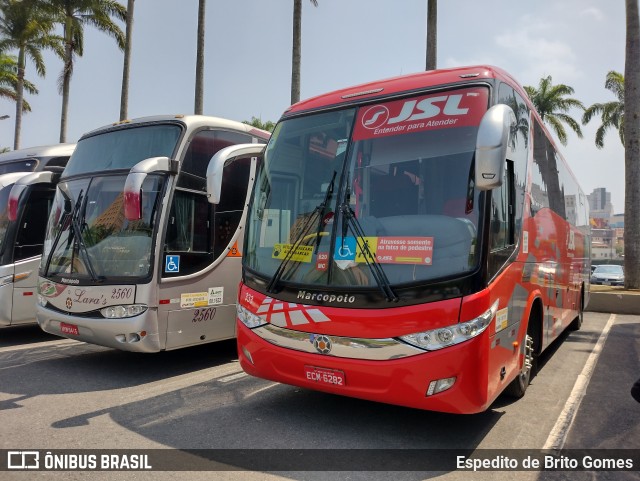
519, 385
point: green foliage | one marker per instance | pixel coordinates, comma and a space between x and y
552, 103
611, 113
9, 81
257, 123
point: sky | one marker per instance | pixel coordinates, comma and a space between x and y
344, 43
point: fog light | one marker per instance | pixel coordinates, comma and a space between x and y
440, 385
121, 338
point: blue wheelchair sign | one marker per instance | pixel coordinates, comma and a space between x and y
345, 249
172, 264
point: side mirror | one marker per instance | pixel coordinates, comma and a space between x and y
133, 184
217, 162
20, 186
492, 144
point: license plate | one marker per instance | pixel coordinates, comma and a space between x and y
69, 329
322, 375
606, 283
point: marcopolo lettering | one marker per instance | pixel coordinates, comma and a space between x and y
321, 297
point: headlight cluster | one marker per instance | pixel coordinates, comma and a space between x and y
451, 335
119, 312
248, 318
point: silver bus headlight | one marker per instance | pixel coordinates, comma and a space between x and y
451, 335
120, 312
248, 318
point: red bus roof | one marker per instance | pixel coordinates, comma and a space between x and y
404, 83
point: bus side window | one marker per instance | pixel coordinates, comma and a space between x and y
235, 181
31, 229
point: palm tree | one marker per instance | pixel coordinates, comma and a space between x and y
259, 124
124, 95
552, 104
74, 15
27, 29
631, 128
611, 113
9, 81
295, 60
199, 94
432, 34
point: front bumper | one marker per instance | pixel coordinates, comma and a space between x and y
402, 381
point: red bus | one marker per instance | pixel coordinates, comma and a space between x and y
417, 241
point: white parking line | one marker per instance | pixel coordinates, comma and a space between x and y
35, 345
558, 434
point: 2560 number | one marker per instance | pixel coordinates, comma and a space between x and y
203, 315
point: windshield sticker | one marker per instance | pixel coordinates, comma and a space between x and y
459, 108
322, 261
216, 295
386, 250
345, 249
301, 254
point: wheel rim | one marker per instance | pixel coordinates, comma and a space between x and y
525, 373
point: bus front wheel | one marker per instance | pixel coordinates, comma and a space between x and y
519, 385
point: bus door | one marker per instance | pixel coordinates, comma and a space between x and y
201, 259
29, 205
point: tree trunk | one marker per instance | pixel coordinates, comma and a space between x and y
632, 149
66, 80
432, 34
124, 96
19, 99
295, 58
199, 97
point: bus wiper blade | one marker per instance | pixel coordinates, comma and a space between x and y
322, 207
319, 210
77, 232
350, 221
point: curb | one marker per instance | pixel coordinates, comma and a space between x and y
614, 303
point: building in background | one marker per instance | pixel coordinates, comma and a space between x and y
607, 229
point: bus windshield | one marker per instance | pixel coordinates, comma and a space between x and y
26, 165
88, 236
386, 187
122, 149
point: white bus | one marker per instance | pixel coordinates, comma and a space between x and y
27, 186
136, 257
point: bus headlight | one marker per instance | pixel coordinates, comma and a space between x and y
248, 318
451, 335
119, 312
42, 301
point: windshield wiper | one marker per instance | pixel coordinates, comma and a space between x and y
350, 221
76, 229
319, 211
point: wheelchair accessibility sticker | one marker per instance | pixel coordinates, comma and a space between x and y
345, 249
172, 264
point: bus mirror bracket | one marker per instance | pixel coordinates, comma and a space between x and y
218, 161
492, 144
133, 184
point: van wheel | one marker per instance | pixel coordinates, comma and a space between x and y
519, 385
